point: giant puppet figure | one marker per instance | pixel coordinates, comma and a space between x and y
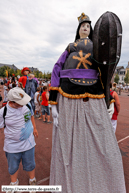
25, 71
85, 154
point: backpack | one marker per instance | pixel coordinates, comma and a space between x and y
5, 111
4, 103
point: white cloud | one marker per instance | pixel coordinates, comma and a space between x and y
36, 32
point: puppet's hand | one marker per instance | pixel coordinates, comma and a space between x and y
55, 115
111, 110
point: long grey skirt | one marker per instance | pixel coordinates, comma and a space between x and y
85, 154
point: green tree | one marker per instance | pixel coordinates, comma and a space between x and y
18, 72
36, 73
48, 75
116, 79
40, 75
43, 75
11, 71
126, 79
3, 71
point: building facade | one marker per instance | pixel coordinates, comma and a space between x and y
127, 68
121, 71
33, 69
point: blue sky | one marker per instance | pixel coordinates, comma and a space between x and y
36, 32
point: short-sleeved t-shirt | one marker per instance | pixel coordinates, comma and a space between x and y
19, 129
44, 100
35, 97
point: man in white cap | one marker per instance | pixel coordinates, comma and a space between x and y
19, 130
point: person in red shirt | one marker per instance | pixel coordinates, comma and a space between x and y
25, 71
44, 105
116, 108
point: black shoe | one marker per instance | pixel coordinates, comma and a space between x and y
49, 122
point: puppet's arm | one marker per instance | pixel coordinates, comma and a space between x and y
55, 78
55, 82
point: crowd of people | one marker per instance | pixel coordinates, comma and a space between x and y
121, 88
31, 86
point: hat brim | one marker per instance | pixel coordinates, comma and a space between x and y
25, 100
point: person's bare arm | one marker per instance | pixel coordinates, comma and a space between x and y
117, 101
47, 95
38, 98
35, 132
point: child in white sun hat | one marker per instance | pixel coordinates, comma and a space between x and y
17, 118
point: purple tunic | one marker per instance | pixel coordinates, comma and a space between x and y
69, 73
55, 79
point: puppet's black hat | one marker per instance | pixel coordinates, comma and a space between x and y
83, 18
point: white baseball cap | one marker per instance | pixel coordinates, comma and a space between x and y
18, 95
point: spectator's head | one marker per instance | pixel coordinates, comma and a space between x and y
31, 76
13, 84
25, 71
114, 84
17, 97
38, 89
20, 85
44, 88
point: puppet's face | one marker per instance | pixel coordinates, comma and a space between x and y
26, 72
84, 30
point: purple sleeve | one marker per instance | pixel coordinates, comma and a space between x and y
55, 78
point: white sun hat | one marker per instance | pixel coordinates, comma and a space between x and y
18, 95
